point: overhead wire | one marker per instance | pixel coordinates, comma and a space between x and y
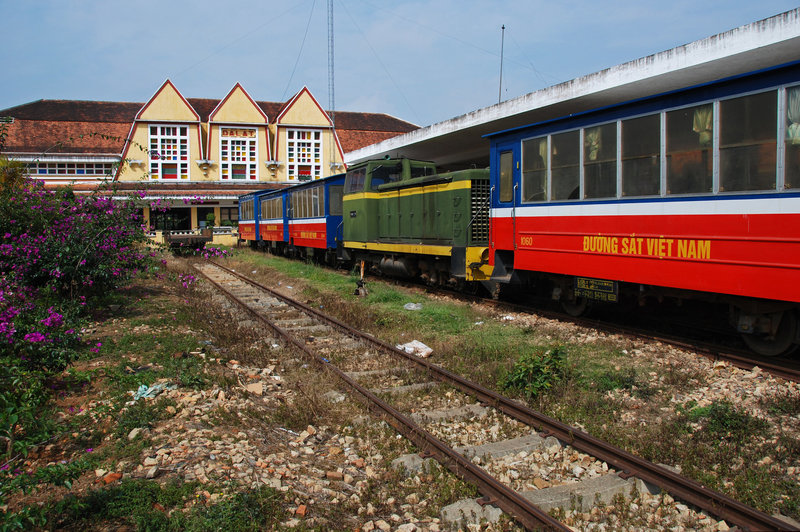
377, 57
300, 52
230, 43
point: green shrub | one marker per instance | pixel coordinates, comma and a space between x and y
535, 372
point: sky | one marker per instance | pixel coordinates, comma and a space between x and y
421, 61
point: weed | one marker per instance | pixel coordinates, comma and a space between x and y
142, 414
135, 502
782, 404
722, 420
258, 509
533, 373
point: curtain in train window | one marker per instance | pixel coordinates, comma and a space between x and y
600, 161
564, 165
747, 142
534, 170
792, 156
641, 156
689, 143
506, 176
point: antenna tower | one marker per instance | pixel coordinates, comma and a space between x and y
331, 98
502, 42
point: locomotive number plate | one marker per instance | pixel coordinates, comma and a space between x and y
597, 289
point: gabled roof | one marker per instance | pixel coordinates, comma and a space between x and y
41, 125
303, 92
237, 89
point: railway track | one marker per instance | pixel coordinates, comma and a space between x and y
405, 381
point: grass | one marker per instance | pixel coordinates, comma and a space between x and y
149, 506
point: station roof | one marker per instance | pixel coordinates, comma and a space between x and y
460, 143
96, 127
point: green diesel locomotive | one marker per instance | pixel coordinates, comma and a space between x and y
405, 219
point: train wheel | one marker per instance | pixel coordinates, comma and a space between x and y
781, 343
575, 308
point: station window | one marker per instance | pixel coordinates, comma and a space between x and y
228, 214
747, 142
792, 143
534, 170
303, 154
70, 169
169, 152
690, 135
175, 219
641, 156
600, 161
238, 153
564, 164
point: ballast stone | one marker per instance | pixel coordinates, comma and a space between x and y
461, 514
414, 463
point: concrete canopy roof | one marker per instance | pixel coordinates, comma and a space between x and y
459, 143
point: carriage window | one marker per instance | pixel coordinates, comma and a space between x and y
335, 198
641, 156
792, 157
354, 182
564, 165
246, 210
600, 161
534, 170
317, 201
747, 132
271, 209
690, 135
506, 177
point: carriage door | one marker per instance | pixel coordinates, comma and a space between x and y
508, 179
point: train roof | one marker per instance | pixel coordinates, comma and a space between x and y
732, 85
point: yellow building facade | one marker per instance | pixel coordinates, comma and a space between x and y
237, 142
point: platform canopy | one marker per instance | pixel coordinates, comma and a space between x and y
459, 143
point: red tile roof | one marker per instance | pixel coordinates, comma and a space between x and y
71, 126
49, 136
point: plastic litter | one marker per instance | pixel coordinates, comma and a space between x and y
413, 306
149, 392
415, 347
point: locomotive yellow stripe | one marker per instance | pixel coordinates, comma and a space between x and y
410, 191
420, 249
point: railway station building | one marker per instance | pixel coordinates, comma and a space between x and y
187, 158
